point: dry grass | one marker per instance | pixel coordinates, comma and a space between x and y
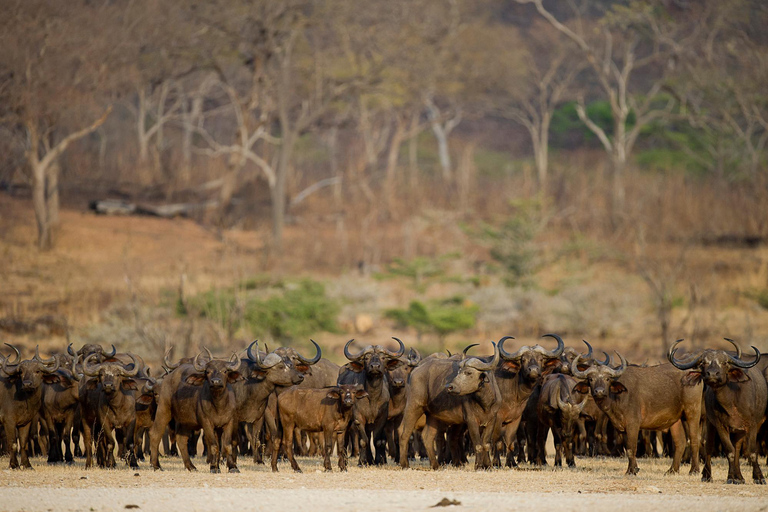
596, 485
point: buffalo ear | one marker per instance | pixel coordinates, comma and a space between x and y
51, 378
302, 368
617, 388
355, 366
195, 379
144, 399
233, 376
333, 394
737, 375
550, 365
581, 388
691, 378
511, 366
392, 364
484, 377
130, 384
361, 393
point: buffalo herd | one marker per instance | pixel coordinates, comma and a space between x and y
386, 403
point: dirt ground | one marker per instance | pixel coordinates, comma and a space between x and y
595, 485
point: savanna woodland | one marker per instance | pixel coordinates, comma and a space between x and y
180, 174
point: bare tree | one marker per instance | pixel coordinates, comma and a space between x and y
50, 69
626, 41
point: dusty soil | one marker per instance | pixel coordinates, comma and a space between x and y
596, 485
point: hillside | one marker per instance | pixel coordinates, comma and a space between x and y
121, 279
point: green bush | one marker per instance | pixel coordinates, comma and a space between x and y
422, 271
285, 311
297, 313
511, 244
439, 317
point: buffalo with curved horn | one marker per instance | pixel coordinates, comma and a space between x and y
736, 397
651, 398
21, 391
518, 375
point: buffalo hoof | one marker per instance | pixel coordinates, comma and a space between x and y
215, 470
735, 481
760, 481
706, 478
632, 471
297, 470
672, 472
234, 470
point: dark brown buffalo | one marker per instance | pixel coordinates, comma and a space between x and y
198, 396
61, 401
316, 372
326, 410
116, 386
559, 410
398, 372
517, 377
450, 392
368, 368
652, 398
21, 392
736, 395
263, 375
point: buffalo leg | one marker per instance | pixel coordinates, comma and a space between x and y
275, 439
428, 435
228, 446
410, 417
67, 438
751, 453
557, 437
328, 448
678, 439
159, 426
11, 441
256, 427
182, 437
694, 434
288, 447
510, 435
631, 437
341, 450
23, 438
211, 441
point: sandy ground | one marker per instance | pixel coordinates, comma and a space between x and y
596, 485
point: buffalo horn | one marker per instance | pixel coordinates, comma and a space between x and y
677, 363
560, 345
736, 361
400, 351
168, 364
318, 355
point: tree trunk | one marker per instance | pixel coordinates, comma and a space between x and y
442, 150
52, 195
141, 128
413, 155
392, 156
44, 237
465, 176
542, 155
